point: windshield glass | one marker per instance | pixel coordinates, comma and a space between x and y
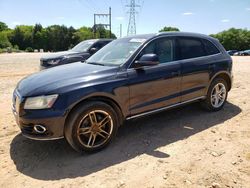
117, 52
82, 46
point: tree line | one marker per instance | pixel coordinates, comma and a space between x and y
60, 37
51, 38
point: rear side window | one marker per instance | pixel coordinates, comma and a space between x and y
190, 48
211, 49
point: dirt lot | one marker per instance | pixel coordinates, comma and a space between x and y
185, 147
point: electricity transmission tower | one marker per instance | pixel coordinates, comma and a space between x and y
132, 13
103, 24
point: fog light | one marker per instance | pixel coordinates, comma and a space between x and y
39, 129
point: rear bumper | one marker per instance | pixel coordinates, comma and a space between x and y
54, 127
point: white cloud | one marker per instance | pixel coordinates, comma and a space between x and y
187, 13
225, 20
248, 9
119, 18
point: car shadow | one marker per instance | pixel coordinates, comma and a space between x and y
53, 160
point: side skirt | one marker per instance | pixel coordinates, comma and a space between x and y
165, 108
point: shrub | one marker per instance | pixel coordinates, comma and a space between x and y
29, 49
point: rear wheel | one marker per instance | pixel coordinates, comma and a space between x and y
91, 127
216, 96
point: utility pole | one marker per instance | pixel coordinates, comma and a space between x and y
102, 24
110, 33
132, 12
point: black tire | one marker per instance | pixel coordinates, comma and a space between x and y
207, 103
82, 116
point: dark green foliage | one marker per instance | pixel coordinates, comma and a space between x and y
169, 29
51, 38
234, 39
4, 40
3, 26
29, 49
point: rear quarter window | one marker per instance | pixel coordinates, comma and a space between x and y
211, 49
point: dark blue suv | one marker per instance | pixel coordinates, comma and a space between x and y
130, 77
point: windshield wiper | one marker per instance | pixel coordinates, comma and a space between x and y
94, 63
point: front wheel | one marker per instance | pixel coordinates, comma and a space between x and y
216, 96
91, 127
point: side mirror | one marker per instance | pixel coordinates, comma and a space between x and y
93, 50
147, 60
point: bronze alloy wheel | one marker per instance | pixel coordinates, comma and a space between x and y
95, 128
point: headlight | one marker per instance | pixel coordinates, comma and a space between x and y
41, 102
53, 61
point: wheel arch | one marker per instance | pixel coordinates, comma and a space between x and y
108, 100
224, 75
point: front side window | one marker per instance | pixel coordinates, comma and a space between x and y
190, 48
163, 48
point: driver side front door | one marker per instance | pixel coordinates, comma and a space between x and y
158, 86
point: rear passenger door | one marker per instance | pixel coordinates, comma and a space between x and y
196, 64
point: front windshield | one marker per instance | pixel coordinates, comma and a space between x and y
83, 46
117, 52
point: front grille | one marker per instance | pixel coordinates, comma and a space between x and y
28, 129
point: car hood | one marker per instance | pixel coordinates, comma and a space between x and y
60, 54
56, 80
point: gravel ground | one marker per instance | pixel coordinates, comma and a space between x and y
185, 147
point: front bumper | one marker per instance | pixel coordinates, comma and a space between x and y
54, 124
54, 128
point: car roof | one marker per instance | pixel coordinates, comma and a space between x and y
174, 33
104, 39
97, 40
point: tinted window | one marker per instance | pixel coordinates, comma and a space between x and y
210, 47
190, 48
163, 47
99, 45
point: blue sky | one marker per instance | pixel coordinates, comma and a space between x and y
203, 16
